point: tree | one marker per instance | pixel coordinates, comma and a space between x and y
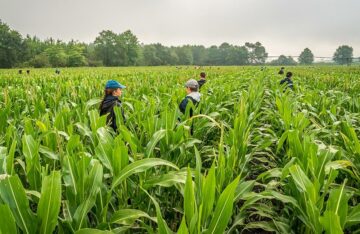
343, 55
306, 57
111, 49
76, 57
184, 54
257, 53
40, 60
174, 58
11, 46
224, 51
57, 56
283, 60
233, 55
91, 56
214, 57
131, 45
150, 57
238, 55
117, 49
33, 46
75, 52
199, 54
163, 54
105, 47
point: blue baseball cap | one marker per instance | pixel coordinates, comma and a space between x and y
113, 84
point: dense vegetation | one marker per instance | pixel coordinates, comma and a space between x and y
260, 160
124, 49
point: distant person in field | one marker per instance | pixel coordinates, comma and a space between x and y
57, 71
281, 72
20, 71
113, 91
202, 80
288, 81
28, 72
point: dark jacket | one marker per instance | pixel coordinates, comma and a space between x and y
194, 97
107, 107
201, 82
289, 83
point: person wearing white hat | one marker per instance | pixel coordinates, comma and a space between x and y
192, 90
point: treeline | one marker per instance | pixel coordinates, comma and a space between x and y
124, 49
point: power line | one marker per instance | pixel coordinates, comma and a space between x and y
317, 58
297, 56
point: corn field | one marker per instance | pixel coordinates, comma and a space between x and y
261, 159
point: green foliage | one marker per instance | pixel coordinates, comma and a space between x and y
306, 57
7, 223
343, 55
10, 46
259, 159
117, 49
257, 53
49, 203
123, 49
283, 60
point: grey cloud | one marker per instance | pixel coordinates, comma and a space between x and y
283, 26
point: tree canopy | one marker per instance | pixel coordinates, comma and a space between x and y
124, 49
306, 57
284, 60
343, 55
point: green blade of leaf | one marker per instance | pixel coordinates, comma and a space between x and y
50, 201
223, 209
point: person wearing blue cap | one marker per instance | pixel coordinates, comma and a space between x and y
113, 91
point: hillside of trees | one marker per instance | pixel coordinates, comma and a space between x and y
124, 49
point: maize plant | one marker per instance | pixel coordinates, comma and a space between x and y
255, 157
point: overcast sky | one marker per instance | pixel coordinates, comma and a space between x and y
283, 26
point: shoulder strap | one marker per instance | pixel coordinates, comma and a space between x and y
192, 99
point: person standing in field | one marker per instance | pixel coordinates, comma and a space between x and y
113, 91
193, 95
192, 98
281, 72
288, 81
202, 80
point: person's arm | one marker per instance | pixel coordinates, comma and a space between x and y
291, 84
123, 114
119, 104
183, 105
112, 117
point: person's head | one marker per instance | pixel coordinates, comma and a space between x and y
191, 86
113, 88
289, 74
203, 75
